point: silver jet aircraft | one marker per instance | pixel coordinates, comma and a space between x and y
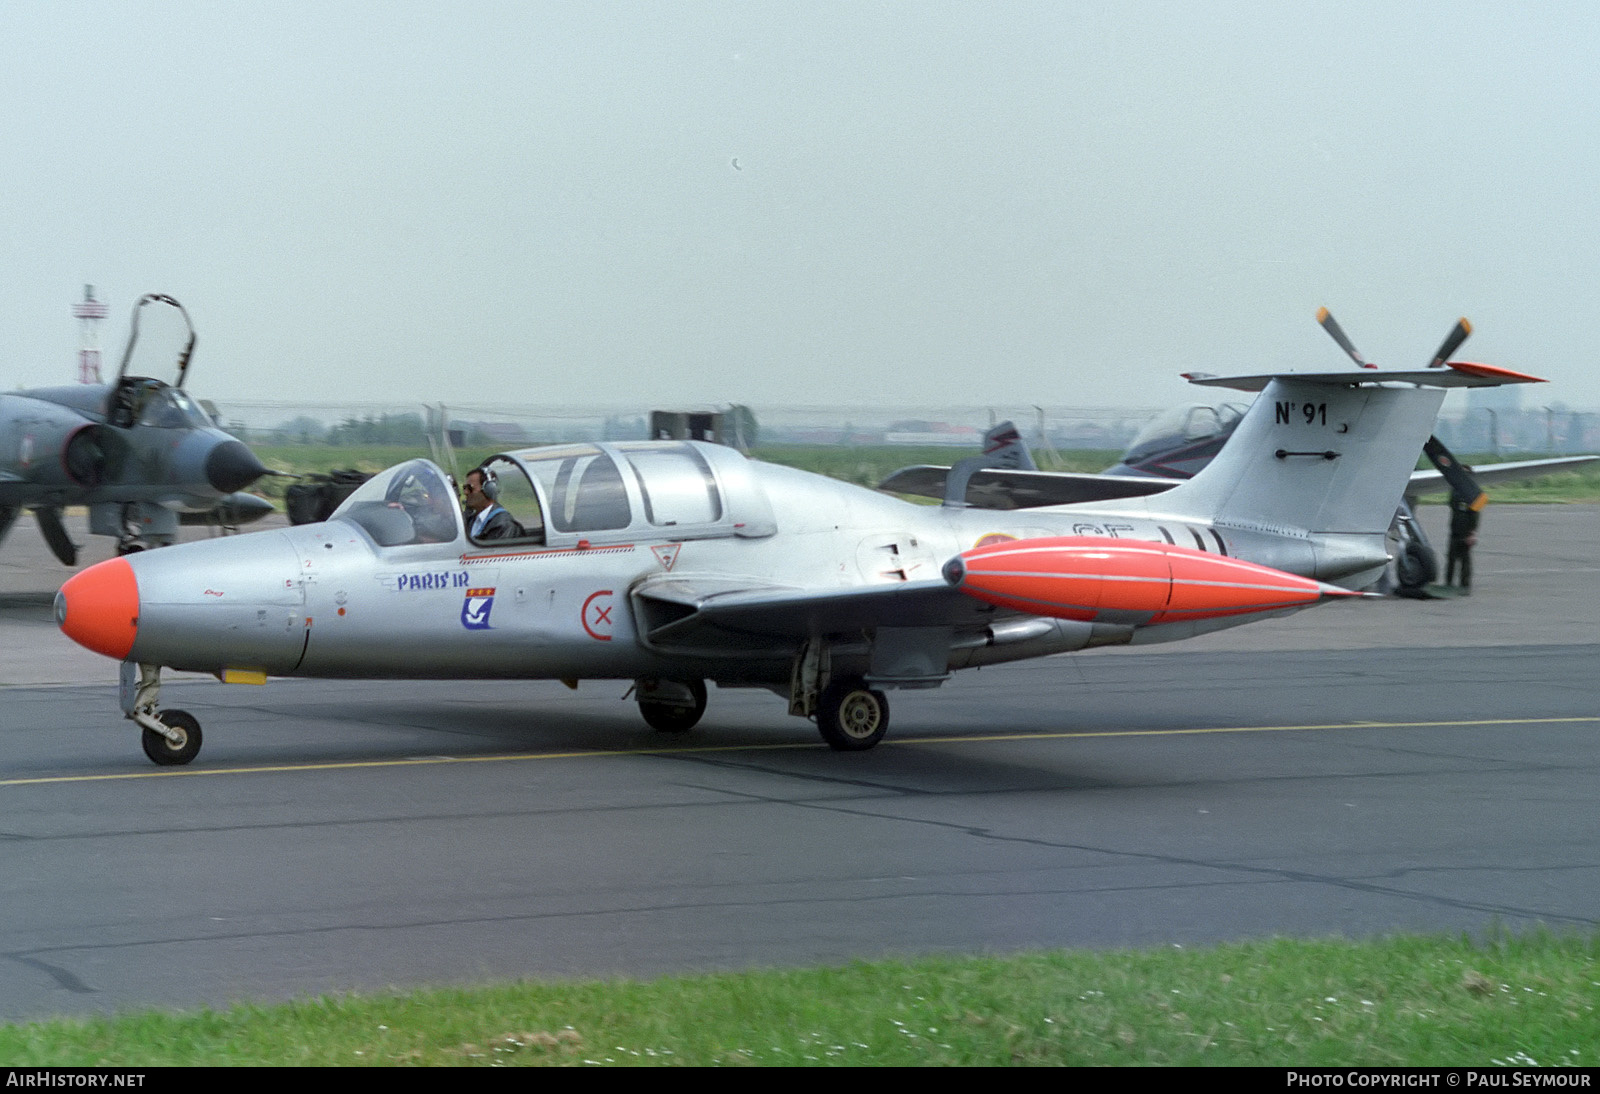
140, 453
672, 563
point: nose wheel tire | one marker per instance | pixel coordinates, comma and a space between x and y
851, 716
672, 718
167, 753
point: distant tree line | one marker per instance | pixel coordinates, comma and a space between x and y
404, 429
371, 429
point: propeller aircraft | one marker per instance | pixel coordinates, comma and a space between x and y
140, 453
668, 564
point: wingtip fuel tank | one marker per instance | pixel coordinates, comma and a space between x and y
1086, 577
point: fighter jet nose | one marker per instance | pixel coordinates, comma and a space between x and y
231, 466
99, 608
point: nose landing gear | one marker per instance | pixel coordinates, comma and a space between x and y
177, 742
171, 737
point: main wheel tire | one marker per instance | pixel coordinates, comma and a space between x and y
851, 716
671, 718
1415, 567
164, 752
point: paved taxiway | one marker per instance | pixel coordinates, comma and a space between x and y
1358, 768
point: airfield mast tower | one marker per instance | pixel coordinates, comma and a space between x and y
89, 312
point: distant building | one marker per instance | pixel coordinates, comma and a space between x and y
932, 433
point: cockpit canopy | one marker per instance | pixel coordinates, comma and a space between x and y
1183, 425
139, 400
567, 494
171, 408
409, 503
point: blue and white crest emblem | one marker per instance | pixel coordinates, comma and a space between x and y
475, 609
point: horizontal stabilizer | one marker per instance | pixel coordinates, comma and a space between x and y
1455, 374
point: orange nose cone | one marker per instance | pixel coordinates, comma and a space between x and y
99, 608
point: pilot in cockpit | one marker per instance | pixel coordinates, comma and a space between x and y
486, 519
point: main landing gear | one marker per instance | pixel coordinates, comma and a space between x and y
171, 737
671, 706
851, 716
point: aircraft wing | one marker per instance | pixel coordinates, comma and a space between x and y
1432, 482
1005, 488
710, 615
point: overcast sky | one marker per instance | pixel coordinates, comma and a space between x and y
651, 204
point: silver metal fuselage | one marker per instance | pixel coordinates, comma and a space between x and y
327, 600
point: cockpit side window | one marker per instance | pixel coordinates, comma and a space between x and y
517, 496
161, 411
585, 490
1203, 421
676, 484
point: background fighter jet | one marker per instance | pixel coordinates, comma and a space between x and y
140, 453
673, 563
1177, 444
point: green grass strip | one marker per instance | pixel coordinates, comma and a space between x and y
1424, 1001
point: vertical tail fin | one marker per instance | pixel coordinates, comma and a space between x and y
1003, 446
1323, 452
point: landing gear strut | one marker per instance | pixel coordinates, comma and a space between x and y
131, 541
171, 737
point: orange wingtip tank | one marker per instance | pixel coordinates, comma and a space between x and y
1081, 577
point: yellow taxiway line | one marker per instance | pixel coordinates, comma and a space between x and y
583, 754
